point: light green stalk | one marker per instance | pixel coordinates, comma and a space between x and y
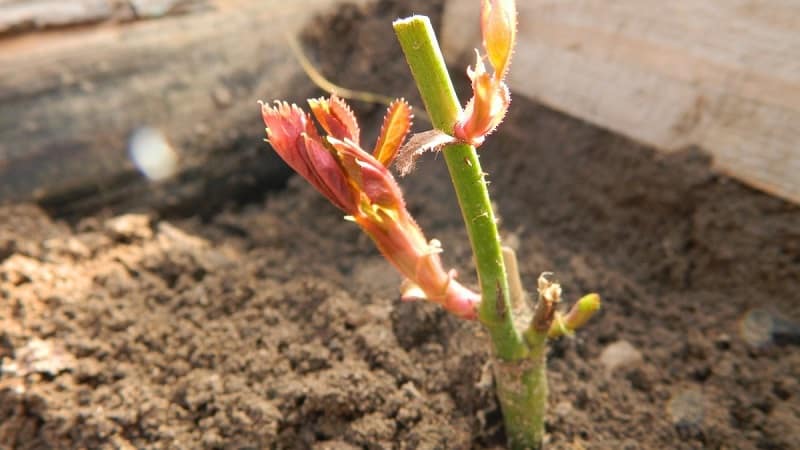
519, 357
427, 65
519, 360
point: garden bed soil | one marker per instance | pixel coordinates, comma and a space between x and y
278, 325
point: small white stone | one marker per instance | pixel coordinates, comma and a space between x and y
563, 409
620, 354
130, 226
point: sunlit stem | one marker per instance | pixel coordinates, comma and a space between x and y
425, 59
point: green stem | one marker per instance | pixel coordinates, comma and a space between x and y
522, 390
519, 361
425, 59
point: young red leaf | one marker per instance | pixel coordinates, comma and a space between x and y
336, 117
396, 124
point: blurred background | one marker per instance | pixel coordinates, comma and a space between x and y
132, 102
144, 102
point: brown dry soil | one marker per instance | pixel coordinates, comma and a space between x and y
277, 325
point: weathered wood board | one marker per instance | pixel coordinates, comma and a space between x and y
720, 74
73, 95
24, 15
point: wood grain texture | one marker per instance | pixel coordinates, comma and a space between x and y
721, 74
71, 98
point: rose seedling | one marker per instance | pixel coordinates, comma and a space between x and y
324, 147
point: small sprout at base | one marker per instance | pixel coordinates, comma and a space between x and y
559, 327
581, 312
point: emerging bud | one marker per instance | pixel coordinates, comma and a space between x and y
296, 141
490, 95
336, 118
370, 179
362, 186
499, 29
578, 315
485, 110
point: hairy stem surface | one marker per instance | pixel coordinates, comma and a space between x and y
427, 65
519, 364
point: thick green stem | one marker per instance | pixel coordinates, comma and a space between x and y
519, 362
522, 390
422, 51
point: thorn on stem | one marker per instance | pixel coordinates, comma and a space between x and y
480, 216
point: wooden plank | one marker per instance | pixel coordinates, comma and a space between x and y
720, 74
25, 15
72, 98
